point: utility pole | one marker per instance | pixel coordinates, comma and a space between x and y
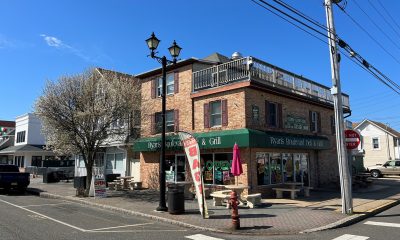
344, 172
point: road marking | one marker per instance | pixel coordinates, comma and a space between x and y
99, 230
350, 237
144, 230
385, 224
202, 237
123, 226
48, 204
42, 215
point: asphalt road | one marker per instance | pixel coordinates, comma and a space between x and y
31, 217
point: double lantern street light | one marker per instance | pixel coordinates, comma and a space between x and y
174, 50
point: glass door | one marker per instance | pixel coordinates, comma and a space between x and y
180, 163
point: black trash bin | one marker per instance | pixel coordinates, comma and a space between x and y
80, 182
50, 176
176, 199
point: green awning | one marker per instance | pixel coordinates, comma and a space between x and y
243, 137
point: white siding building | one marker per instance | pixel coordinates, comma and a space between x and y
379, 142
28, 149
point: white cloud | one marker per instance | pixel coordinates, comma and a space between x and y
57, 43
53, 41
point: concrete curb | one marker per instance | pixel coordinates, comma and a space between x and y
354, 218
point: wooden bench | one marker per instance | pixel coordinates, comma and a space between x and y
135, 185
279, 192
253, 199
111, 185
220, 196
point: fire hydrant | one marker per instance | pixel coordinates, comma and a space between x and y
233, 202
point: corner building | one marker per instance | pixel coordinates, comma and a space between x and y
282, 122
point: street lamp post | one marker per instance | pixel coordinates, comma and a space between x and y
174, 50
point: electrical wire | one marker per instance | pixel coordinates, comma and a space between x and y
304, 16
356, 58
387, 12
376, 25
369, 35
383, 17
293, 18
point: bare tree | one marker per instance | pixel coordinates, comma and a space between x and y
81, 113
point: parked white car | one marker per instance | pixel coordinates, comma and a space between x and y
391, 167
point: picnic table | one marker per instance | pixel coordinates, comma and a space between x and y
125, 181
239, 190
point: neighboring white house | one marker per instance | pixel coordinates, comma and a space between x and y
116, 156
28, 147
379, 142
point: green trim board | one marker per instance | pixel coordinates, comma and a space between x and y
243, 137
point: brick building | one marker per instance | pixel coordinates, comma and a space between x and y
282, 122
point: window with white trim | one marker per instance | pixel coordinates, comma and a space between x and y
215, 114
375, 143
115, 161
170, 85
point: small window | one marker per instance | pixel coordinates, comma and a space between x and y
397, 163
375, 143
215, 114
391, 163
255, 113
314, 121
272, 115
169, 121
115, 161
21, 136
170, 85
395, 141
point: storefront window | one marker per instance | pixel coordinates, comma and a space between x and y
217, 168
263, 169
208, 170
115, 161
287, 163
276, 168
175, 168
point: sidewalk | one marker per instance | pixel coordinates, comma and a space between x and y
276, 216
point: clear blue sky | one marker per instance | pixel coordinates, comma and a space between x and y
43, 40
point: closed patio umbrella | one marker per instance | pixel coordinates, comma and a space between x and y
236, 168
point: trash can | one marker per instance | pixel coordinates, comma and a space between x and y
80, 182
50, 176
176, 199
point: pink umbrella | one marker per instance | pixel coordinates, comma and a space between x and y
236, 168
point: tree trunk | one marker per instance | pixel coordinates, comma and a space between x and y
89, 173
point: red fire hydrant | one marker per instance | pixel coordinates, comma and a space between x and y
233, 201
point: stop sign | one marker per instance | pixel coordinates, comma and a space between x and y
352, 139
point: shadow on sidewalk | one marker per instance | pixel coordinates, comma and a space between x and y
227, 216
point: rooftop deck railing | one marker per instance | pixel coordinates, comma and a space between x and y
252, 69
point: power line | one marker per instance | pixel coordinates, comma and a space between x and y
293, 18
376, 25
387, 12
383, 17
304, 16
355, 57
299, 27
369, 35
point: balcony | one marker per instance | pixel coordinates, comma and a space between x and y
257, 71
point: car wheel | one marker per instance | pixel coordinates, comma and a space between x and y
375, 173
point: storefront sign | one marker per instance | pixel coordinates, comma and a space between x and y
302, 142
193, 155
244, 137
99, 183
296, 122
